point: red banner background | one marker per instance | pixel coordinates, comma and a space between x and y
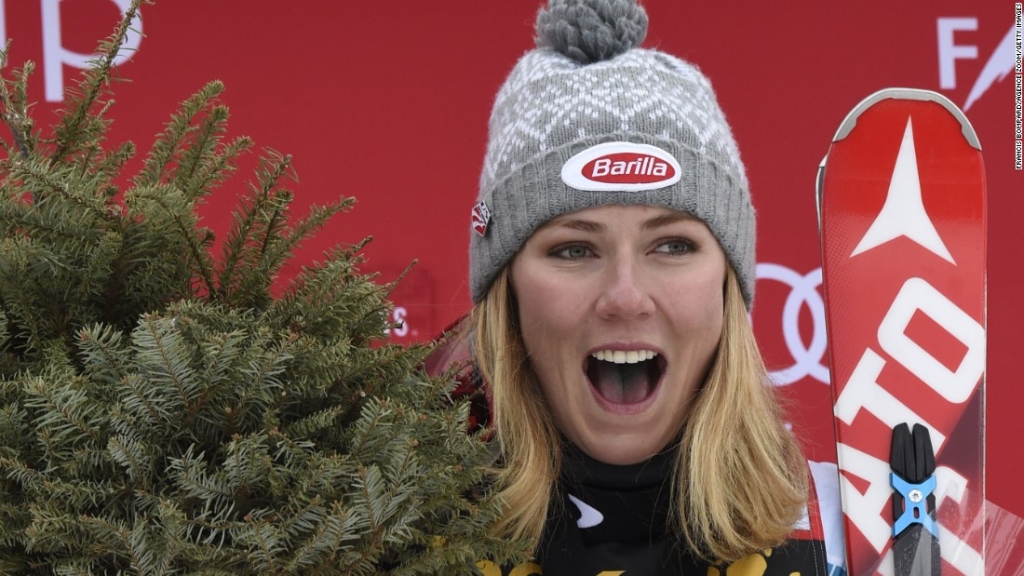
389, 101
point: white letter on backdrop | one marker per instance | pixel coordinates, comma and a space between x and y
55, 56
949, 52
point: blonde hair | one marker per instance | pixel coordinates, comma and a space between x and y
741, 481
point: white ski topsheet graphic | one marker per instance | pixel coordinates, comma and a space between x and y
903, 213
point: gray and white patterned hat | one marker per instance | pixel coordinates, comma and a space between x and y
587, 119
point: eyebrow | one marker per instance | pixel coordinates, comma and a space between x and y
665, 220
581, 225
596, 227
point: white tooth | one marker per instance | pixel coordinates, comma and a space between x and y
622, 356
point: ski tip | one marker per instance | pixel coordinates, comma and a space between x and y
908, 94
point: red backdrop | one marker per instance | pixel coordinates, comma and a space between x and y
389, 101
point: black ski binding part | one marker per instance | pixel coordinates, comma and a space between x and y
912, 460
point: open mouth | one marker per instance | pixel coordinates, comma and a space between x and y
624, 377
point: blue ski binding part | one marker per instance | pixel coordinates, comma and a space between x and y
915, 501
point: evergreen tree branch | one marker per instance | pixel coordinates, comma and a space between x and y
220, 166
58, 182
129, 454
105, 355
68, 413
319, 552
202, 146
259, 243
169, 146
79, 125
200, 257
109, 166
15, 105
166, 359
276, 249
138, 402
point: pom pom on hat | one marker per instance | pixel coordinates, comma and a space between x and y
591, 31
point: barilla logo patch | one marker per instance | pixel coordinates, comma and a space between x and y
481, 218
621, 166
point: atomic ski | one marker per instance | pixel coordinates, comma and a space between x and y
901, 207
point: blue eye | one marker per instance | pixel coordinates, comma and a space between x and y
676, 246
572, 252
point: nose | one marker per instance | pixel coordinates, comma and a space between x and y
624, 293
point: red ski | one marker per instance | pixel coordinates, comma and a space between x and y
901, 201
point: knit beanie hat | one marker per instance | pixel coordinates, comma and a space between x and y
588, 119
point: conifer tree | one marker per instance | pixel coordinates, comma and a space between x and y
163, 412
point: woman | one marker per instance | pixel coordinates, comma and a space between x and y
612, 269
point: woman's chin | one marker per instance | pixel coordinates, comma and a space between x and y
622, 449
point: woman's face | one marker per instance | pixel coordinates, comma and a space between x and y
620, 308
